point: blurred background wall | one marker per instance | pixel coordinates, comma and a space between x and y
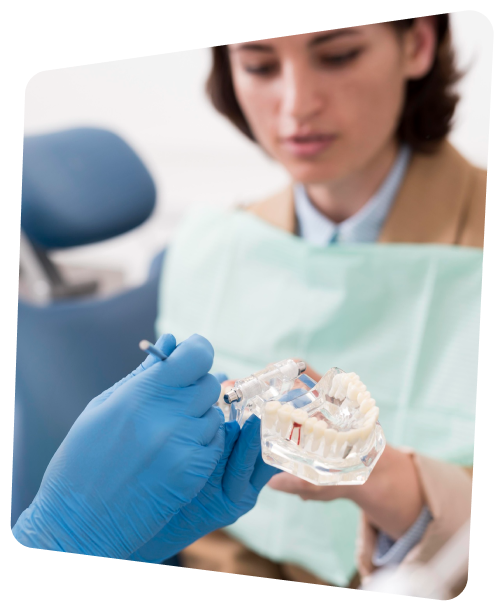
158, 105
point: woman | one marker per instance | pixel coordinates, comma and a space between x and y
344, 268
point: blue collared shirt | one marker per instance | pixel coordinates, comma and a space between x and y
364, 226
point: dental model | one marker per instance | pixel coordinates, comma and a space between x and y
249, 394
326, 433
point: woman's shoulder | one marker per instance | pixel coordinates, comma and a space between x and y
277, 209
441, 200
470, 191
473, 223
448, 157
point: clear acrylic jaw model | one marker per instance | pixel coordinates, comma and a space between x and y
326, 433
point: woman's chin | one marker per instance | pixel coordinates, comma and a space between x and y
312, 173
321, 168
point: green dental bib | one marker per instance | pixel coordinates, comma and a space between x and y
404, 317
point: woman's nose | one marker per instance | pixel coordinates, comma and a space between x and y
300, 98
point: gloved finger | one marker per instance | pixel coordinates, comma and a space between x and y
220, 377
262, 474
231, 431
242, 460
190, 360
217, 444
207, 427
201, 396
166, 343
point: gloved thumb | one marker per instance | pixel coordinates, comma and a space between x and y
166, 343
189, 362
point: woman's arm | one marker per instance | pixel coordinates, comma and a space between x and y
400, 487
392, 498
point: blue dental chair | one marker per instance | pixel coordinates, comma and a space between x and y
80, 186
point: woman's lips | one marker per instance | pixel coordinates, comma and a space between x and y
308, 146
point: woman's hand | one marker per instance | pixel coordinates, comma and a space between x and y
392, 498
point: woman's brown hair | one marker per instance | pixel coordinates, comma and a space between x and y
430, 101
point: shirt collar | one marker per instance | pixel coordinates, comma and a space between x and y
365, 225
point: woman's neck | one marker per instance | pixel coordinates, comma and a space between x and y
341, 199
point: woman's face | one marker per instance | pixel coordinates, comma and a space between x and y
326, 104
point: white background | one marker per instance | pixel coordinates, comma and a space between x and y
159, 106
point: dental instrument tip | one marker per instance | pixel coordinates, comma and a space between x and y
148, 347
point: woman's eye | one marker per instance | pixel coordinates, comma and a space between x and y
261, 69
341, 59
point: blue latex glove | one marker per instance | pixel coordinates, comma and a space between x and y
230, 492
220, 377
136, 455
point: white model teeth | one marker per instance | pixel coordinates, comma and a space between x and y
362, 396
366, 405
270, 413
343, 442
284, 417
330, 437
354, 389
316, 435
372, 415
299, 417
307, 430
347, 404
309, 425
349, 390
339, 386
369, 423
341, 383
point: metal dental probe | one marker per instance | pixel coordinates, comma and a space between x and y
146, 346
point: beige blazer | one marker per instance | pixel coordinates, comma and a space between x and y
441, 200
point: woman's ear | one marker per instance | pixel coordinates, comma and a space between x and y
419, 46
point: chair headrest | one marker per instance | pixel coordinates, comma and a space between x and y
81, 186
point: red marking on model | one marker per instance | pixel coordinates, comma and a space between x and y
296, 425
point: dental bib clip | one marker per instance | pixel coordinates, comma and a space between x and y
325, 432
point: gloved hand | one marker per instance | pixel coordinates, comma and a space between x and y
136, 455
230, 492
